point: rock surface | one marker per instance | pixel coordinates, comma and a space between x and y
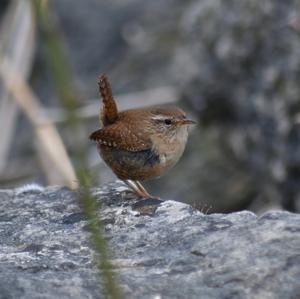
177, 252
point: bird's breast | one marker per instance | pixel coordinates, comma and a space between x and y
171, 149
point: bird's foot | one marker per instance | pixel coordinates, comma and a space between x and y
138, 189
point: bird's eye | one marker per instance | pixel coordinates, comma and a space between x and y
168, 121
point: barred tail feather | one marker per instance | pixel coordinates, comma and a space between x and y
110, 111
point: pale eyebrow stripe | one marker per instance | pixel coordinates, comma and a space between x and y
159, 117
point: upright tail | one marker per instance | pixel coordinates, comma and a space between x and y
110, 111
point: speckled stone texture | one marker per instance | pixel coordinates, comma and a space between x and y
171, 252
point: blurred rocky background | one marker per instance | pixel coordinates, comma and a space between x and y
233, 65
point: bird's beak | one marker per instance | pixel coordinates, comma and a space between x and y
185, 122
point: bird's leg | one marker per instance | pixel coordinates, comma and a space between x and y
142, 188
133, 186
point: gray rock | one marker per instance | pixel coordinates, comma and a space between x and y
239, 66
172, 252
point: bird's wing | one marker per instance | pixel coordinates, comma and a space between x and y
120, 136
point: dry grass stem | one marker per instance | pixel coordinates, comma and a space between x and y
17, 42
47, 135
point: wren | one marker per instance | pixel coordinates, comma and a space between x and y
139, 144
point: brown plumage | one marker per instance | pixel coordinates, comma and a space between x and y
139, 144
110, 111
123, 134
